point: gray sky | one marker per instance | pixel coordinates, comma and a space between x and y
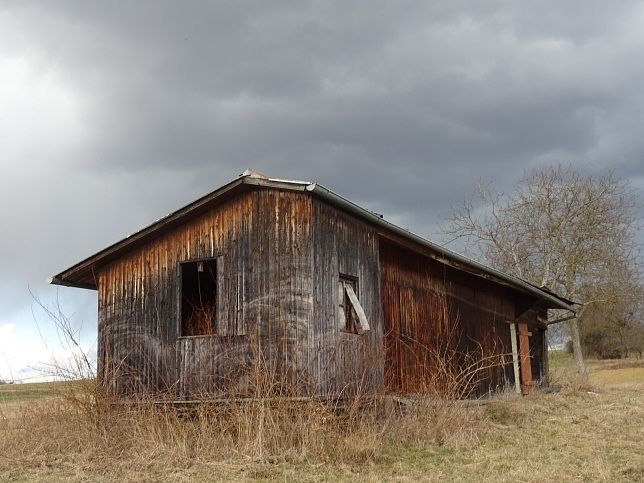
113, 114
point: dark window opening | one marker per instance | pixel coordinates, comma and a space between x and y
199, 298
351, 314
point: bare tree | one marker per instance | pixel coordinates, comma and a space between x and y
571, 233
616, 329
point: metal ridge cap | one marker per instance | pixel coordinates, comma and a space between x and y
257, 177
293, 181
273, 183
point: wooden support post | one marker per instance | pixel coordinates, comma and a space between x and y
526, 367
545, 377
515, 357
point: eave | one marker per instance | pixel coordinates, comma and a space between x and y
83, 274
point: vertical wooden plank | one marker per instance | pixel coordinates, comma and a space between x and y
515, 357
527, 384
545, 381
345, 363
430, 309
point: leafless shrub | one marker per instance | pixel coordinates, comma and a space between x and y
76, 363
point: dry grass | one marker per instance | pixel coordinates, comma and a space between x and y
587, 432
73, 438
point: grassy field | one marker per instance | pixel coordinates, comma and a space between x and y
25, 392
589, 431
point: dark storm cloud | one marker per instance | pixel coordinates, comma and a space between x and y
130, 110
395, 90
408, 83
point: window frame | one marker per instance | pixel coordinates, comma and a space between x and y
351, 315
215, 279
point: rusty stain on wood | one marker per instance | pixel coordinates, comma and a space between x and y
274, 324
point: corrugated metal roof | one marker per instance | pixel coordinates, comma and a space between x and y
81, 275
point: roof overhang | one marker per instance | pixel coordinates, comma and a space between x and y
83, 274
444, 255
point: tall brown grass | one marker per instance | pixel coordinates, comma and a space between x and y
84, 438
78, 428
82, 426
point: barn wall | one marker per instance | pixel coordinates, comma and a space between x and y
345, 363
438, 320
261, 241
279, 301
279, 256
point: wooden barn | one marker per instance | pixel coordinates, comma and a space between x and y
270, 286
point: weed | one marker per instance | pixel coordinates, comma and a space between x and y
72, 431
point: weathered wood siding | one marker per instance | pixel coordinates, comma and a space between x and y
279, 256
280, 300
438, 320
262, 243
343, 245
